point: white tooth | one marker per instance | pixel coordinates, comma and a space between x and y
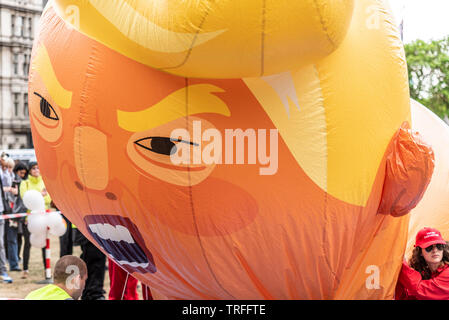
124, 234
134, 264
102, 231
93, 228
98, 229
109, 232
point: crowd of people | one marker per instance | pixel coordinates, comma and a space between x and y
13, 232
16, 178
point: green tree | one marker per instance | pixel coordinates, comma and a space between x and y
428, 71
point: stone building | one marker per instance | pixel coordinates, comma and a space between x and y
19, 22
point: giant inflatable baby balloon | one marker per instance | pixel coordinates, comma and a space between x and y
232, 149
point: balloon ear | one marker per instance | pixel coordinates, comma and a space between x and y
409, 167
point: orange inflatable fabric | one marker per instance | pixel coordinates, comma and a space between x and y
233, 149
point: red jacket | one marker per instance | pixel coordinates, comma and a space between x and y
124, 287
411, 286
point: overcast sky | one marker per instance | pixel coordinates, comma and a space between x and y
423, 19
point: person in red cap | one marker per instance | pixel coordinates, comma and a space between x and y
426, 276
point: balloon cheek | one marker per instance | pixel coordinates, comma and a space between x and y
214, 208
47, 133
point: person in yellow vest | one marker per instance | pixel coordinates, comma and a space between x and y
33, 182
69, 279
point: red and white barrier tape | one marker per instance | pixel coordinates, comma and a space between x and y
18, 215
13, 215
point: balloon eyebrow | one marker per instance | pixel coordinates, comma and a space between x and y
199, 98
43, 66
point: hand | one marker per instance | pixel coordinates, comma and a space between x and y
44, 192
14, 191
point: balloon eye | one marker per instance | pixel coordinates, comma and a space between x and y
161, 145
46, 108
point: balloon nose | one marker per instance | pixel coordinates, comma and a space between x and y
91, 157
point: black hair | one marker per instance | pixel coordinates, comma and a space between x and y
31, 164
418, 262
20, 166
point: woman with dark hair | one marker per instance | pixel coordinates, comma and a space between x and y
20, 171
14, 226
20, 174
426, 276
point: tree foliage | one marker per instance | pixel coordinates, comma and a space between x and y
428, 71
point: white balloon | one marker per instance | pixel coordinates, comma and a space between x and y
54, 219
58, 230
37, 223
34, 200
38, 240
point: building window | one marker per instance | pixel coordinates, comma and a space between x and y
22, 27
16, 104
15, 63
30, 28
13, 24
25, 105
26, 64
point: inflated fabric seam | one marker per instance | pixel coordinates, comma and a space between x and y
83, 103
203, 251
323, 24
325, 212
189, 52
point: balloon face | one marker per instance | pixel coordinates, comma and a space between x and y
109, 161
218, 188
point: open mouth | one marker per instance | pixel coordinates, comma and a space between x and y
121, 239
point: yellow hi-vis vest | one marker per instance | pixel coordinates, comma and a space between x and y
49, 292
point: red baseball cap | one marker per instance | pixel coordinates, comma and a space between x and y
427, 237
